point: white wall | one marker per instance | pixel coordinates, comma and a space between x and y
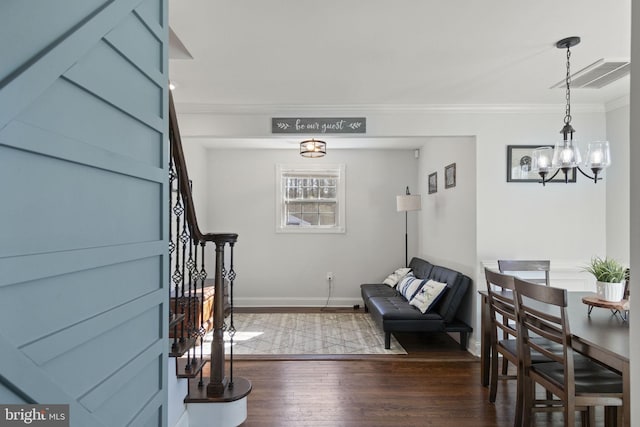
281, 269
618, 185
448, 217
196, 156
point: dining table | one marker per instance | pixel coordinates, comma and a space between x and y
600, 334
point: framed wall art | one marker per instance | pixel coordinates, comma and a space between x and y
433, 182
519, 165
450, 176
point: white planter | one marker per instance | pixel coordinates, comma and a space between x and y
612, 292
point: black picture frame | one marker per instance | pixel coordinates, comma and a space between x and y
450, 176
432, 183
519, 165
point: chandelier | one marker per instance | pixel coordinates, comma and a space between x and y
565, 156
313, 148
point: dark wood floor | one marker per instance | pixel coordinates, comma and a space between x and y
368, 393
436, 384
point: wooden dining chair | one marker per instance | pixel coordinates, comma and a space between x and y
578, 382
500, 288
627, 278
536, 271
504, 335
517, 266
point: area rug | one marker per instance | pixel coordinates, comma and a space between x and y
306, 334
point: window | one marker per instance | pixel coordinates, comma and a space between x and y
310, 199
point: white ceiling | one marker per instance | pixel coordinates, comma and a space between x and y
383, 53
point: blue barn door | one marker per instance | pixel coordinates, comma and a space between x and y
83, 203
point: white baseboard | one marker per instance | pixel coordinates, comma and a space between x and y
474, 347
183, 421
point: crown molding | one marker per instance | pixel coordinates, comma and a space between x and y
623, 101
272, 109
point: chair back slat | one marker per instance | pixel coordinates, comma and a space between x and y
541, 313
500, 291
518, 266
627, 278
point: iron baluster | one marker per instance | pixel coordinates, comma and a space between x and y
176, 276
232, 329
191, 298
202, 277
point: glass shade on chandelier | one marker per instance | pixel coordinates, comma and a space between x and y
565, 156
313, 148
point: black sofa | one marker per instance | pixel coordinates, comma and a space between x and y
393, 312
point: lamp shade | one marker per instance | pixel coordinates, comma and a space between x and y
542, 159
598, 155
313, 148
566, 155
408, 202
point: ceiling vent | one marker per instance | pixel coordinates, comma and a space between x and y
598, 75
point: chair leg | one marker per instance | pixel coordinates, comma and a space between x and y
569, 415
519, 400
588, 417
387, 340
528, 388
612, 416
505, 366
493, 381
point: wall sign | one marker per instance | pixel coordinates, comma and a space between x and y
319, 125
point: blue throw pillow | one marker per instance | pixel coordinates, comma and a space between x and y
409, 286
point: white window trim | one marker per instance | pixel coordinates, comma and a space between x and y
317, 168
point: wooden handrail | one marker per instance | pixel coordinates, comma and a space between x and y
185, 189
181, 171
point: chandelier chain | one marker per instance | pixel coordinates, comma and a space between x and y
567, 117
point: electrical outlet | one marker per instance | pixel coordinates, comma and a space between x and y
329, 276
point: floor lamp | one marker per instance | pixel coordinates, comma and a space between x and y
405, 203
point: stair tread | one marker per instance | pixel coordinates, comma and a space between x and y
178, 348
186, 368
198, 393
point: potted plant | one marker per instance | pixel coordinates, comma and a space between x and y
610, 278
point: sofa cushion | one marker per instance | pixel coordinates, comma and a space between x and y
428, 295
457, 284
396, 308
376, 290
420, 268
409, 286
396, 276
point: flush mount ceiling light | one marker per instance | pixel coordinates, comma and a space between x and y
565, 156
313, 148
